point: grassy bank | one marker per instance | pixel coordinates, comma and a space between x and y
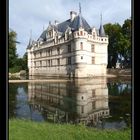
28, 130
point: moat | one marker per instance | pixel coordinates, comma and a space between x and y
93, 102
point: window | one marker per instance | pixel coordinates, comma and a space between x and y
81, 45
49, 52
50, 34
49, 63
95, 117
35, 64
82, 109
69, 48
40, 54
93, 105
40, 64
81, 57
58, 50
69, 60
92, 48
35, 55
93, 60
81, 32
93, 93
58, 62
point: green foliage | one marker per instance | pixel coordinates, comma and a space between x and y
119, 43
15, 64
126, 49
15, 69
113, 31
24, 63
12, 48
29, 130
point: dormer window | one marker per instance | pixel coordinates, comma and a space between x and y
93, 34
49, 33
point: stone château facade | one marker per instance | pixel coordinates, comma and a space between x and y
71, 48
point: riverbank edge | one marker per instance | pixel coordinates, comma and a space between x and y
30, 130
109, 76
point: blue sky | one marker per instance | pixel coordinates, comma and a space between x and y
27, 15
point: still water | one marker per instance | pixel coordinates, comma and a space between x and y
95, 103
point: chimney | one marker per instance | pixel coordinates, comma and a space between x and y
56, 22
72, 15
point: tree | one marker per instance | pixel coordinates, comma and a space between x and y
24, 66
119, 43
113, 31
12, 48
126, 48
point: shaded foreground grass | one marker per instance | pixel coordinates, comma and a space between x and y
28, 130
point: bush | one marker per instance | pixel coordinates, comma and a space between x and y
15, 69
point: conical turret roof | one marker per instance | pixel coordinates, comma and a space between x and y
101, 29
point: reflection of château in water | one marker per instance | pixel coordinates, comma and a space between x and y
72, 101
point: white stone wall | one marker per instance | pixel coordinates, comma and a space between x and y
81, 57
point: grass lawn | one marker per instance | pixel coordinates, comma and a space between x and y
28, 130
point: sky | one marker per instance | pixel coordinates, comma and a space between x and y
28, 17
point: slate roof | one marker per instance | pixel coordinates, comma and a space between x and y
74, 25
101, 31
80, 21
63, 26
43, 35
30, 43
